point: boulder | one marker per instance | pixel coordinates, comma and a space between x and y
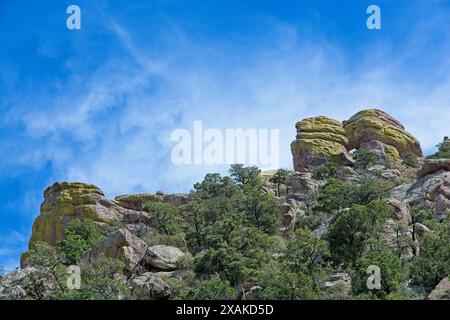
149, 287
121, 245
318, 140
383, 151
433, 165
376, 130
163, 257
442, 291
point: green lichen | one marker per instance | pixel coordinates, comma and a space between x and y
374, 124
392, 153
64, 202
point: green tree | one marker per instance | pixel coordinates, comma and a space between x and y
392, 272
80, 235
101, 279
369, 190
443, 151
433, 262
304, 253
281, 177
330, 169
283, 285
348, 234
165, 217
214, 289
245, 175
334, 195
50, 268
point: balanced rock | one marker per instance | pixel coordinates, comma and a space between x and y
377, 131
163, 257
318, 140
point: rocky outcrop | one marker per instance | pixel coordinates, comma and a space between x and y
430, 191
65, 201
163, 257
27, 283
442, 291
121, 245
433, 165
377, 131
319, 140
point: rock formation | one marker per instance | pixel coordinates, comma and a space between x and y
320, 139
375, 129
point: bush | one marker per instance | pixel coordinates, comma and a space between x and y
214, 289
330, 169
411, 161
365, 158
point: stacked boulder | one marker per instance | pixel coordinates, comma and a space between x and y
321, 139
318, 140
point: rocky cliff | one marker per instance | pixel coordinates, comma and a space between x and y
152, 241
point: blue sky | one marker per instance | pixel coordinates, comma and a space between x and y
98, 104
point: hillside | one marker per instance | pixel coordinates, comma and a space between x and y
364, 216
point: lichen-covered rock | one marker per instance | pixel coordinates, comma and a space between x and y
65, 201
384, 152
376, 125
121, 245
163, 257
319, 139
149, 286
